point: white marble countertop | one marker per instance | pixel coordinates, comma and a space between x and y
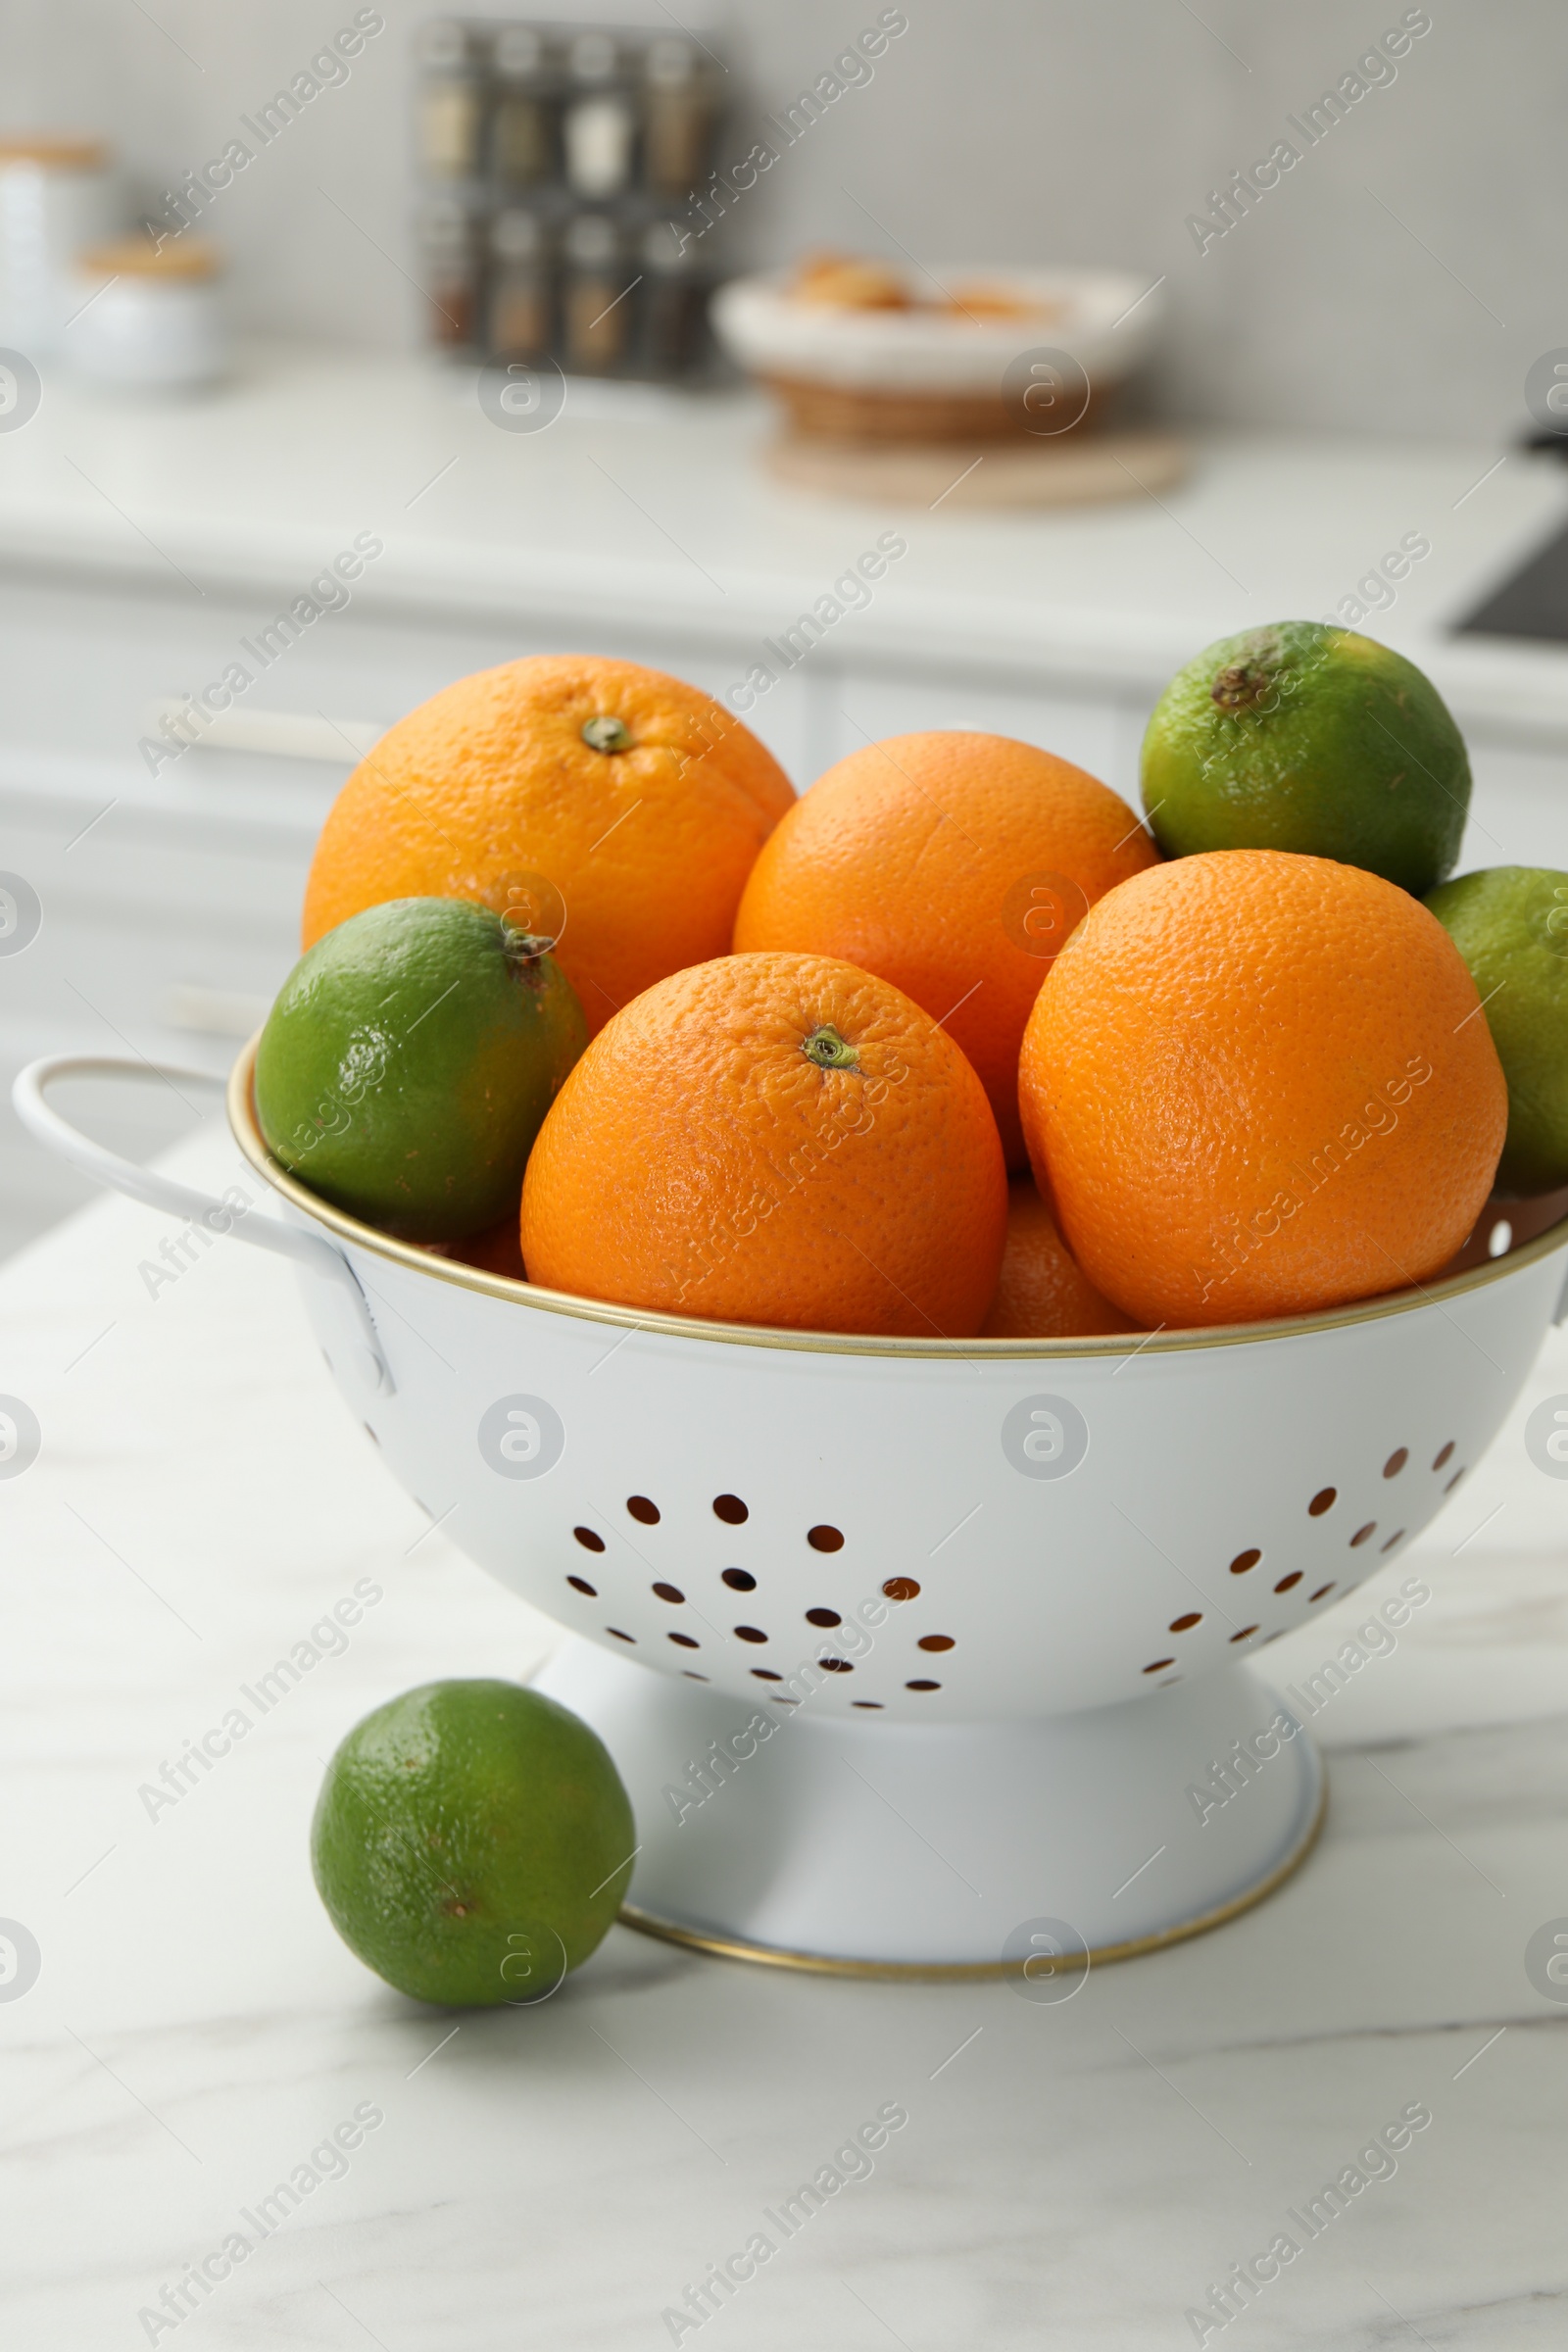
636, 501
1070, 2176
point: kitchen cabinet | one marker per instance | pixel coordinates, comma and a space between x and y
1096, 731
1519, 807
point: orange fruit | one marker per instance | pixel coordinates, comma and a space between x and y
1260, 1084
607, 808
1042, 1291
772, 1139
954, 865
495, 1251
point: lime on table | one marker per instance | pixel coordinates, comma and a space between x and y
1312, 739
472, 1842
410, 1061
1510, 924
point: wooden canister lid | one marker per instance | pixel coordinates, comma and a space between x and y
52, 153
179, 259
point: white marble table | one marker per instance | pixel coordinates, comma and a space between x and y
1077, 2175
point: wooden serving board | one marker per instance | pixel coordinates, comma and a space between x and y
1074, 471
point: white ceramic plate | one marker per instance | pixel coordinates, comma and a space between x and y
1090, 314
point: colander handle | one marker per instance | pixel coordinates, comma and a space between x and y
158, 1191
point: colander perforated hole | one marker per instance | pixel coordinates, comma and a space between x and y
1185, 1624
740, 1580
588, 1540
935, 1641
731, 1509
671, 1592
1159, 1665
1500, 1241
1288, 1583
923, 1686
692, 1676
825, 1538
685, 1642
1361, 1534
1397, 1461
1244, 1560
580, 1584
836, 1665
901, 1588
1453, 1482
866, 1703
1445, 1456
643, 1510
1396, 1538
1321, 1593
619, 1636
749, 1633
823, 1617
765, 1674
780, 1700
1246, 1634
1323, 1501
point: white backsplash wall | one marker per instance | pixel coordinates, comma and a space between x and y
1400, 277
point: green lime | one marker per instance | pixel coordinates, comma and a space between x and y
472, 1842
1305, 738
1510, 924
408, 1062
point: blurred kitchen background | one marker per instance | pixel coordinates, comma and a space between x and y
1341, 369
998, 130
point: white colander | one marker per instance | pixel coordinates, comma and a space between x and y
909, 1650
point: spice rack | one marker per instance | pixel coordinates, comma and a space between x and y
558, 169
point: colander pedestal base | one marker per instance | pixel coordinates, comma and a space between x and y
975, 1846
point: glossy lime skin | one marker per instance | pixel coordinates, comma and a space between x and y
1510, 924
1319, 741
472, 1842
408, 1062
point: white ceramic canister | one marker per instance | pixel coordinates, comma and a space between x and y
147, 319
55, 197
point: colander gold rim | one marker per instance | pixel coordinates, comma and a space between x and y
820, 1964
242, 1123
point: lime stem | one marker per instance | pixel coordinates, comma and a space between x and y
1238, 687
523, 947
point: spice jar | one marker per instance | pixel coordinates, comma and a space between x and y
598, 128
55, 198
147, 317
599, 315
675, 339
520, 308
451, 104
522, 144
451, 255
680, 104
